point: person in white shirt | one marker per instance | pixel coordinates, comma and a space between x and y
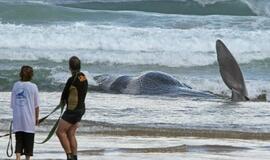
25, 107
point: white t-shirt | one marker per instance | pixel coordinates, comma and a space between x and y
24, 100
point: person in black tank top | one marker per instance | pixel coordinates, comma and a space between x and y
73, 96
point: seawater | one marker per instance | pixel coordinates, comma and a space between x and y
155, 127
130, 37
131, 40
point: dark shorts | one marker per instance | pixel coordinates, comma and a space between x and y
72, 116
24, 143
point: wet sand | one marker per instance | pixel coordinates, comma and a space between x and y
102, 147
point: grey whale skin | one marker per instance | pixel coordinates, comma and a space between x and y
160, 83
149, 83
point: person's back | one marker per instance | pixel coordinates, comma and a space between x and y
24, 101
73, 96
25, 106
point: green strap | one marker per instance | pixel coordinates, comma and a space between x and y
10, 146
9, 150
55, 125
5, 135
55, 109
42, 119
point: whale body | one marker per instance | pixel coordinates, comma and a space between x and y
160, 83
149, 83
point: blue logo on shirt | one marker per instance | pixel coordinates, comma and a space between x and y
20, 95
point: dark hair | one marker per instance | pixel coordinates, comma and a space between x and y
26, 73
74, 64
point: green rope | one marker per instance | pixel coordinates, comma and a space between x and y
52, 131
10, 146
5, 135
55, 109
55, 125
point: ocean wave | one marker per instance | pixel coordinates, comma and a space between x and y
189, 7
45, 11
129, 45
171, 149
51, 76
103, 128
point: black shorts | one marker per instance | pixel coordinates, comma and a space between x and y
72, 116
24, 143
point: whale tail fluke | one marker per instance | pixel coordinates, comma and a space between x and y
231, 73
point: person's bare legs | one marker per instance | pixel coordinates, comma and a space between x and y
27, 157
72, 138
61, 132
18, 156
